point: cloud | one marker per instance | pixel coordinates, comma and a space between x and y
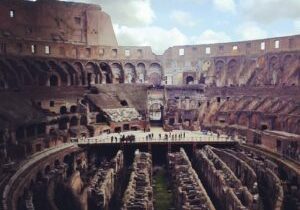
156, 37
129, 12
210, 36
182, 18
225, 5
267, 11
250, 30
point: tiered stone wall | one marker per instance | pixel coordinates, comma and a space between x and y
139, 193
188, 189
225, 186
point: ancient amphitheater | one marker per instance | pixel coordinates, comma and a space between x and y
87, 124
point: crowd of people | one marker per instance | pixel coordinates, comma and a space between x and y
140, 136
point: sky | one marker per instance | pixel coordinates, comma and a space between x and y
165, 23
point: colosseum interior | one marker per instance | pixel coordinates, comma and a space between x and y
88, 124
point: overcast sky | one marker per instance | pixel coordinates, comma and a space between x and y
165, 23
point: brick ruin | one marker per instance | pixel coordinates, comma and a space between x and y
63, 76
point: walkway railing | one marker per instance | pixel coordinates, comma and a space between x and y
148, 137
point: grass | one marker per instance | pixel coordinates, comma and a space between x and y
163, 199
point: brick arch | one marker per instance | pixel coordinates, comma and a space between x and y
219, 66
73, 75
117, 73
10, 75
141, 72
24, 75
78, 67
154, 74
106, 72
57, 68
130, 73
93, 73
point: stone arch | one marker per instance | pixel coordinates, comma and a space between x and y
56, 163
141, 72
47, 169
83, 120
74, 121
25, 77
219, 66
232, 65
189, 80
10, 77
63, 110
73, 109
63, 123
63, 75
106, 72
287, 61
100, 118
73, 75
93, 73
40, 76
155, 111
54, 80
117, 72
154, 75
78, 67
274, 63
130, 73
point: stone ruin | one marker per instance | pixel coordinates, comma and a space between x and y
102, 184
188, 189
139, 193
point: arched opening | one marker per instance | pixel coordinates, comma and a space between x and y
73, 109
47, 170
30, 130
219, 66
63, 110
83, 120
171, 121
78, 67
63, 124
130, 75
126, 127
155, 114
117, 73
74, 121
123, 103
100, 118
264, 127
155, 74
41, 128
189, 80
106, 72
118, 129
141, 71
53, 81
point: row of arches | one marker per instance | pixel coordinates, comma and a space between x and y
28, 72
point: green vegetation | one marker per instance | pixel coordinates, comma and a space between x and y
163, 198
